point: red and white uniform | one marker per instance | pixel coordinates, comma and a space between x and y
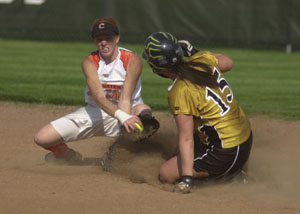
112, 77
91, 120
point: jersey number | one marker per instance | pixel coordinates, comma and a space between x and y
210, 94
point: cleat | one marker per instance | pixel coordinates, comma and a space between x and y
244, 178
108, 157
71, 157
106, 162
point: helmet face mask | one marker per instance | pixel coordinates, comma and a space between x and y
162, 51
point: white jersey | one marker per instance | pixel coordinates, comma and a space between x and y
91, 120
112, 77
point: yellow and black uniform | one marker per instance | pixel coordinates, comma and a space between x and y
220, 124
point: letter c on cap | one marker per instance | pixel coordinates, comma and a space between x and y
101, 25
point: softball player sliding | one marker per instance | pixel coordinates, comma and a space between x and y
214, 133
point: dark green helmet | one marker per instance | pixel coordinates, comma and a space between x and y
162, 51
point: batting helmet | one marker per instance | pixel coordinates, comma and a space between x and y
162, 51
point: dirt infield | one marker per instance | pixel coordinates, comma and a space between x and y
28, 185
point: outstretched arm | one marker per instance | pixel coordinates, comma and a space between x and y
133, 73
96, 89
185, 126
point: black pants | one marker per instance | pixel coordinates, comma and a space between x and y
219, 162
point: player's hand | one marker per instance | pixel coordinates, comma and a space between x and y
127, 120
184, 185
130, 124
188, 49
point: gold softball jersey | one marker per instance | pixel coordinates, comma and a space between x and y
217, 116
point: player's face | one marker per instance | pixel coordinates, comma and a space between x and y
107, 46
168, 73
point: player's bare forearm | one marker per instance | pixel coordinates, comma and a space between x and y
186, 148
186, 142
95, 87
106, 105
125, 105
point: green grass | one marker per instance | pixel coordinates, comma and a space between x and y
264, 82
267, 82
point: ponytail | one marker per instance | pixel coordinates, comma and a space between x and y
202, 77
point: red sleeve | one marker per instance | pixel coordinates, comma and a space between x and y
94, 56
125, 57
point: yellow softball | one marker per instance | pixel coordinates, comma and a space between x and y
141, 128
